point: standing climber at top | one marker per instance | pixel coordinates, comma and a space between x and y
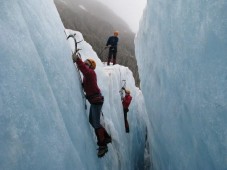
95, 98
112, 45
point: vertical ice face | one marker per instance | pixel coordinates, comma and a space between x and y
181, 49
35, 89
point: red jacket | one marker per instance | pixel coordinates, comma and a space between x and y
89, 79
126, 101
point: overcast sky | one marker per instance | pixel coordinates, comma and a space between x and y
129, 10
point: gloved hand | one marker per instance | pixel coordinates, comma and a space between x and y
74, 57
123, 88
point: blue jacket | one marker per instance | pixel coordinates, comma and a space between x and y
112, 40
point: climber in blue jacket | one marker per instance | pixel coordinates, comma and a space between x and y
112, 45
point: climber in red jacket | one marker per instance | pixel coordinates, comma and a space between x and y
126, 102
95, 98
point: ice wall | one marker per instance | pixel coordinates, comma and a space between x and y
42, 118
181, 49
36, 88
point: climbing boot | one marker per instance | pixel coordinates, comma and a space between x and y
102, 150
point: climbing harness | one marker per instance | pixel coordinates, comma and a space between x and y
77, 51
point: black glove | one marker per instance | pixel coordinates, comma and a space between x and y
123, 88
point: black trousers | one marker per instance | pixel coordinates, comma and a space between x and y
126, 121
112, 53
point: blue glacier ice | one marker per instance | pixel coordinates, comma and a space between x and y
43, 122
181, 48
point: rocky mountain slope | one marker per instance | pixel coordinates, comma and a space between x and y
97, 22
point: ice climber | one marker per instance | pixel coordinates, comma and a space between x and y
126, 100
112, 45
95, 98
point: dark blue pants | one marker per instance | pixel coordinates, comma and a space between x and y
94, 116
